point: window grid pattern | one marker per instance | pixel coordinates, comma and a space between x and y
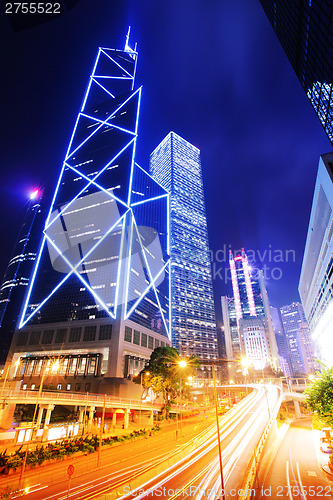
104, 199
89, 333
75, 334
305, 31
105, 332
175, 164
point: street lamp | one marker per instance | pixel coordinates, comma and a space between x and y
245, 362
218, 432
182, 364
145, 374
54, 368
217, 415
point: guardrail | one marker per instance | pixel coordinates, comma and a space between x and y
89, 399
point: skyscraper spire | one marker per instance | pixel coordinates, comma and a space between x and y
127, 38
127, 46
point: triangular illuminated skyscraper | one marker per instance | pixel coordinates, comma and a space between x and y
103, 260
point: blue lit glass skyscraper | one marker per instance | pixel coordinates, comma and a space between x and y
98, 299
305, 30
16, 279
175, 164
106, 230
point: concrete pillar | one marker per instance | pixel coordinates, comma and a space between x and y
91, 410
151, 418
126, 418
6, 416
40, 415
297, 409
81, 413
114, 418
49, 409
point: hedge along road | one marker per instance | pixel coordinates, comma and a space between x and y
50, 480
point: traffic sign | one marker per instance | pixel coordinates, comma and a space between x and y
70, 470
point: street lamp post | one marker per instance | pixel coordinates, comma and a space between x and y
218, 432
182, 363
54, 368
213, 363
141, 386
101, 430
245, 364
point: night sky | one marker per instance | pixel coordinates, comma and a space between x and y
214, 73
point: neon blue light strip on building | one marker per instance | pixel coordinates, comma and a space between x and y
71, 225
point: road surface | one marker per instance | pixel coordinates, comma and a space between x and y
295, 473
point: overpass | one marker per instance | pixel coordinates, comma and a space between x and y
47, 400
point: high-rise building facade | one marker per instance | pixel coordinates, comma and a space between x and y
305, 31
248, 327
98, 299
281, 341
17, 275
175, 164
316, 279
230, 328
246, 290
298, 337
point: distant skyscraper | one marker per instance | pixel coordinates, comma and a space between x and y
298, 337
281, 342
307, 349
230, 328
246, 290
175, 164
305, 31
247, 320
316, 280
16, 279
98, 299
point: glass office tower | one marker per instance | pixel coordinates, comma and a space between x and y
300, 345
305, 31
98, 299
104, 245
247, 320
175, 164
246, 290
18, 272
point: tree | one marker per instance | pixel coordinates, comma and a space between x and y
319, 396
163, 374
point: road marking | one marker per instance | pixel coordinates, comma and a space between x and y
303, 490
288, 482
311, 473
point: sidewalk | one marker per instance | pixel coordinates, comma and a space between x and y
112, 430
53, 473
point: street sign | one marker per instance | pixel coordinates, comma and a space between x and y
70, 470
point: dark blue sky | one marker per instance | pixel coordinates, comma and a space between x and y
214, 73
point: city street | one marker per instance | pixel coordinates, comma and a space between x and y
295, 473
188, 462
